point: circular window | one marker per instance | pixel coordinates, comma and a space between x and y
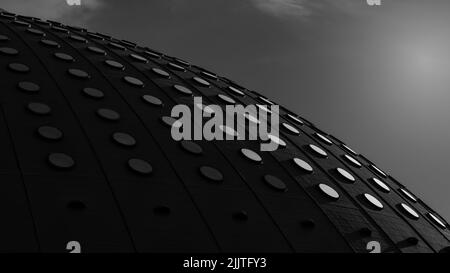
352, 161
374, 202
291, 129
329, 191
408, 195
436, 220
346, 175
251, 155
303, 165
323, 139
408, 211
318, 151
379, 184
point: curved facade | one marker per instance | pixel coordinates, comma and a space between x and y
87, 157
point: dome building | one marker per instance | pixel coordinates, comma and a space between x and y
87, 156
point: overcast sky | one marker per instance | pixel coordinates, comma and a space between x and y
376, 77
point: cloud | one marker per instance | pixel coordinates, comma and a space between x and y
306, 8
283, 7
54, 9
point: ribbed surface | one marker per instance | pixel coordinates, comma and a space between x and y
87, 155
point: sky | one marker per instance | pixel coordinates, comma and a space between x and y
377, 77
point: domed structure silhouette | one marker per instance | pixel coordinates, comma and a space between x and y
87, 159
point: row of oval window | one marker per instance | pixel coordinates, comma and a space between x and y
374, 202
64, 161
